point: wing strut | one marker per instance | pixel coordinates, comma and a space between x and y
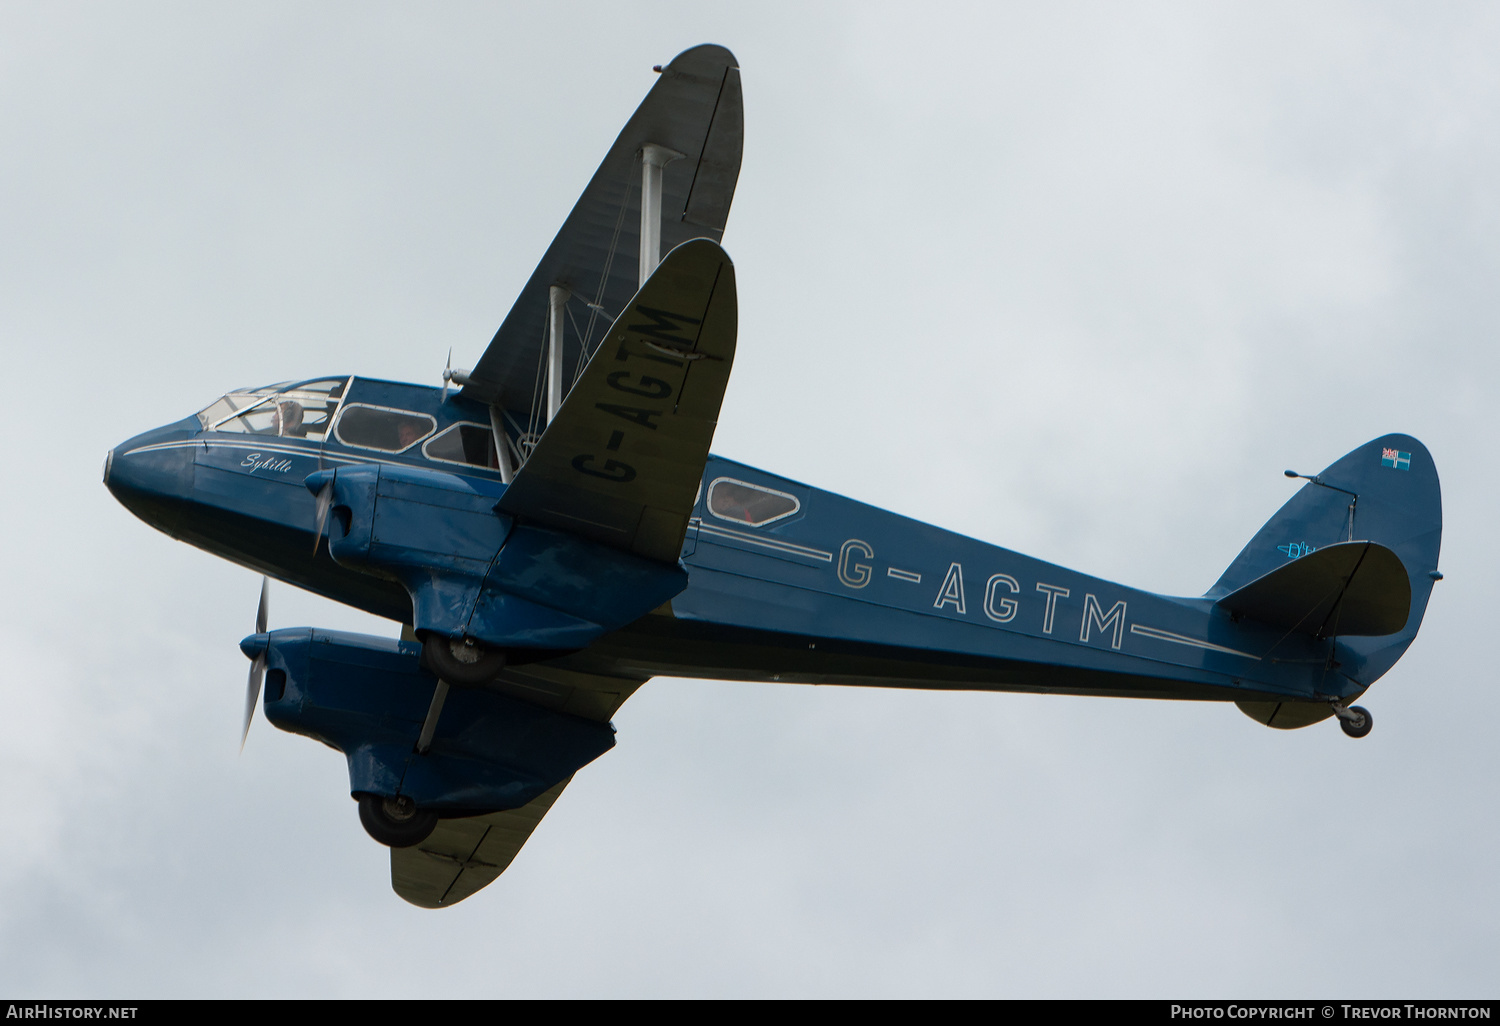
695, 110
557, 297
622, 461
654, 157
502, 445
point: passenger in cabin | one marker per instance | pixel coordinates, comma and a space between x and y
409, 431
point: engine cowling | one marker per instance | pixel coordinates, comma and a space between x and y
473, 571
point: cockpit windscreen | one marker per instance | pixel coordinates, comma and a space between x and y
289, 409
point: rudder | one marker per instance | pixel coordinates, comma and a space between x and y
1385, 491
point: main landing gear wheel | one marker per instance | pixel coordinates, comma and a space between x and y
462, 661
395, 822
1359, 722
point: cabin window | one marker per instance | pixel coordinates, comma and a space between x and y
745, 503
379, 427
287, 410
470, 444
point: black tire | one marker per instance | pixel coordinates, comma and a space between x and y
1360, 728
395, 822
462, 661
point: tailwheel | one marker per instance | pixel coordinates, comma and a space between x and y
462, 661
395, 822
1356, 721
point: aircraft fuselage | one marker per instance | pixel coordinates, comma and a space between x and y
808, 587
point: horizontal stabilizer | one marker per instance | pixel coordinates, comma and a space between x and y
1350, 588
621, 462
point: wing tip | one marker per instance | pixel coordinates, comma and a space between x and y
707, 53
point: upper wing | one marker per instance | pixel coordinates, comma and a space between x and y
695, 109
464, 855
622, 460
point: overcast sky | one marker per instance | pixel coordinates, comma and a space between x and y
1076, 279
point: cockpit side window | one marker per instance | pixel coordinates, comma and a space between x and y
379, 427
287, 410
470, 444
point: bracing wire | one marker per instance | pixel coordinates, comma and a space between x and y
587, 336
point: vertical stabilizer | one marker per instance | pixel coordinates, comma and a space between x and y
1386, 491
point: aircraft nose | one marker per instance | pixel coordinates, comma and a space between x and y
151, 468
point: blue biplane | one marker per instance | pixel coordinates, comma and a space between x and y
554, 532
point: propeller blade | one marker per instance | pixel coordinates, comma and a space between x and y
325, 502
252, 694
261, 614
447, 373
256, 644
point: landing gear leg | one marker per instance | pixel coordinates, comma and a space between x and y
395, 822
434, 710
1355, 720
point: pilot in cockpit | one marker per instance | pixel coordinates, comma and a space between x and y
287, 420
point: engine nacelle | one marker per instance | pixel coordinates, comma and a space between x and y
368, 696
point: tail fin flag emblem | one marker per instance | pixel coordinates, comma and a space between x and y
1395, 459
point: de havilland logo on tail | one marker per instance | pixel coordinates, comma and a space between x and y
555, 532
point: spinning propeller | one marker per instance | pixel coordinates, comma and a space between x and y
325, 502
255, 646
449, 374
